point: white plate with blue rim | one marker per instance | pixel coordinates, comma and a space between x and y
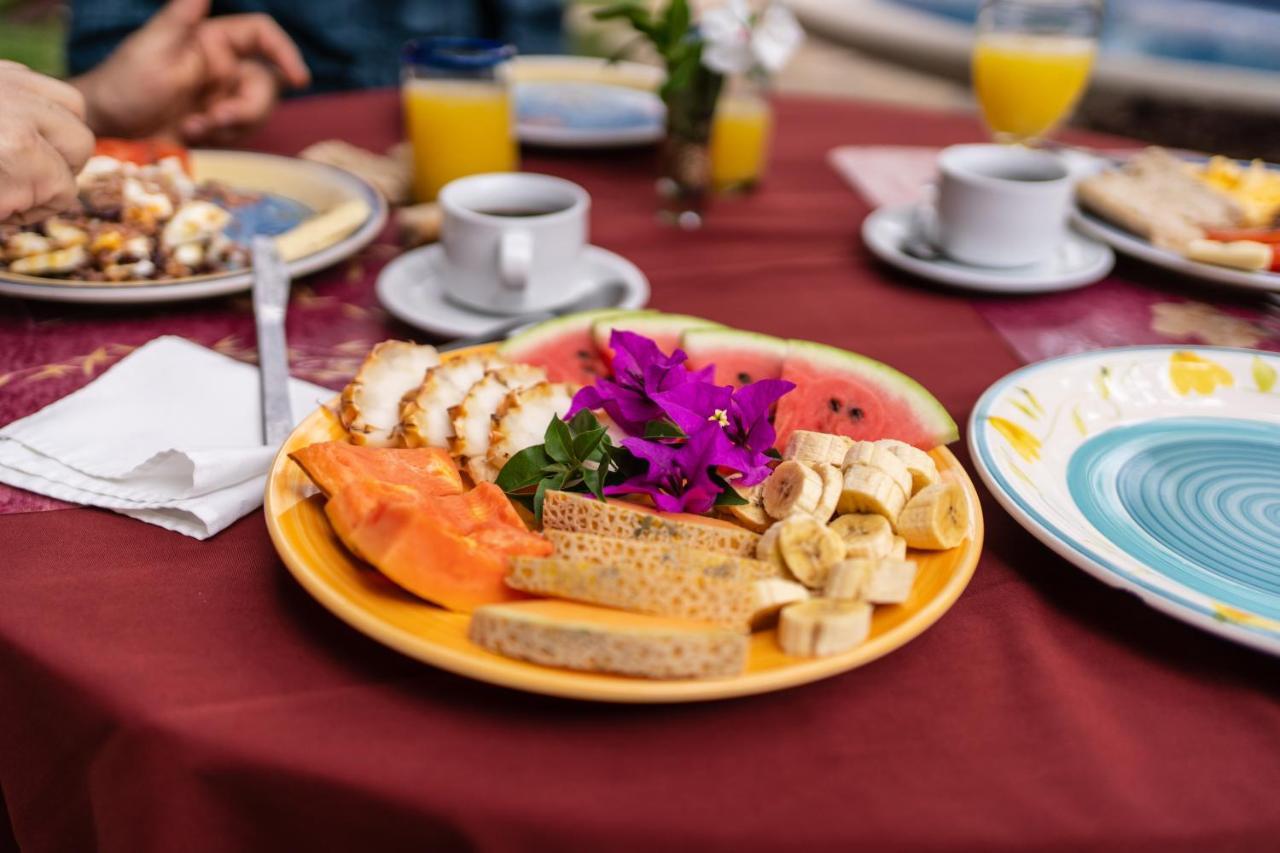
1155, 469
585, 102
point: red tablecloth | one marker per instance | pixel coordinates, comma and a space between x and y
160, 694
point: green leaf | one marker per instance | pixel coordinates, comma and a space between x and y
538, 497
728, 494
587, 443
594, 479
773, 452
663, 429
523, 469
584, 420
677, 21
559, 441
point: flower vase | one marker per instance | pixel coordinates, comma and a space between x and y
685, 180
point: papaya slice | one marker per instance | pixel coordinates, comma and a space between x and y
452, 550
334, 465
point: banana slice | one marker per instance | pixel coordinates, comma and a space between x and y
871, 454
936, 519
832, 486
889, 582
847, 579
865, 535
899, 549
868, 489
473, 417
792, 488
424, 411
370, 407
751, 514
767, 548
809, 549
821, 627
769, 596
923, 470
521, 421
817, 448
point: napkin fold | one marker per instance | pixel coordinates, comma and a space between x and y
170, 435
886, 174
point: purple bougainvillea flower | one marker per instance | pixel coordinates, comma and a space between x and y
641, 371
742, 416
677, 477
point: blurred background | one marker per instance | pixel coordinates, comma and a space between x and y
1198, 74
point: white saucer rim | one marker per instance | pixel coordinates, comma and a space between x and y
960, 278
387, 288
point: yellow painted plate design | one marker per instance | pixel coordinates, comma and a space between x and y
370, 603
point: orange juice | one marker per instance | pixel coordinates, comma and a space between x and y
457, 128
1027, 84
739, 141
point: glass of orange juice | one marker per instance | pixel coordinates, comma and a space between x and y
740, 133
457, 110
1031, 62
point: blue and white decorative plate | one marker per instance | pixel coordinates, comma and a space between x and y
575, 114
1155, 469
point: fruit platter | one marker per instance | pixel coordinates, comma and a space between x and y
629, 506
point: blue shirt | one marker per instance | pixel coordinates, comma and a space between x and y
348, 44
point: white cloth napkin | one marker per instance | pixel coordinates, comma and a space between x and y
171, 435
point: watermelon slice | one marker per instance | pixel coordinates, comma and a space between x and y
563, 346
849, 394
665, 330
740, 357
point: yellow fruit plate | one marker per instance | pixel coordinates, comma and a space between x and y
364, 599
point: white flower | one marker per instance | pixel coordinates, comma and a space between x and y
735, 41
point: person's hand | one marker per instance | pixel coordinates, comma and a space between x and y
43, 143
186, 76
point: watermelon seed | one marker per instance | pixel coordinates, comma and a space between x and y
744, 378
856, 414
834, 404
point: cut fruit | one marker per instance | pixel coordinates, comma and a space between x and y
424, 412
740, 357
563, 347
334, 465
849, 394
370, 407
665, 330
597, 639
452, 550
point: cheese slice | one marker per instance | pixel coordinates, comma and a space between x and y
322, 231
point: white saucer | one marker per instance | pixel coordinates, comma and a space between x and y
1078, 262
409, 288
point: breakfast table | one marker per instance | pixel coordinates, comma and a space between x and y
162, 693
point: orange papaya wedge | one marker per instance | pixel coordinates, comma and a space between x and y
334, 465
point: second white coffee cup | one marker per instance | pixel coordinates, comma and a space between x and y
1001, 205
513, 241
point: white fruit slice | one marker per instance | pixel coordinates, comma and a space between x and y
473, 417
792, 488
751, 514
370, 404
820, 627
899, 549
868, 489
817, 448
809, 549
865, 535
521, 421
923, 470
767, 548
770, 595
890, 581
848, 579
832, 486
937, 518
424, 412
873, 455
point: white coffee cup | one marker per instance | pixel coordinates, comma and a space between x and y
512, 241
1001, 205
